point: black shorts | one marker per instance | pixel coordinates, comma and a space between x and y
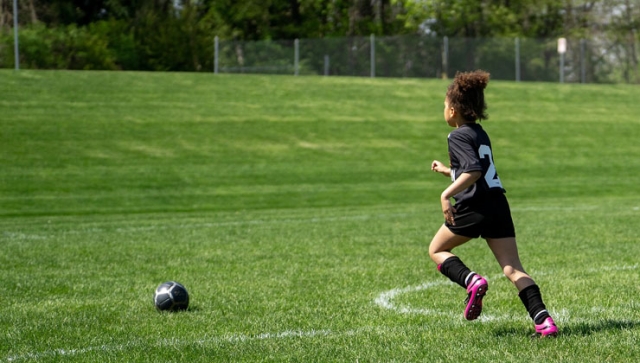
489, 219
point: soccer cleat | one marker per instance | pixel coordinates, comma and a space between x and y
548, 328
476, 289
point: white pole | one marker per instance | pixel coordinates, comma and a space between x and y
517, 59
561, 67
583, 62
373, 55
216, 55
562, 48
16, 47
445, 57
296, 56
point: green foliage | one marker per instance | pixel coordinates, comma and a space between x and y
121, 42
288, 206
68, 47
177, 35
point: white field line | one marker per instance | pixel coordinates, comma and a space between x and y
204, 225
562, 316
275, 221
613, 268
384, 300
233, 338
169, 343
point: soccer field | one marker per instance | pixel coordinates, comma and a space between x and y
297, 211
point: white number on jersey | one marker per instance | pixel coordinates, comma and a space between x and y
491, 176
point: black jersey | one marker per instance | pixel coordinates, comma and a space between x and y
470, 150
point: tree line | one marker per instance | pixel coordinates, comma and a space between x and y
177, 35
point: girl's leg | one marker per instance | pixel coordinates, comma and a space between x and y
452, 267
506, 252
442, 244
448, 263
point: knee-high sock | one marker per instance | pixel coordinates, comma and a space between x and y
455, 270
532, 300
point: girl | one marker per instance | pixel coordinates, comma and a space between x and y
481, 208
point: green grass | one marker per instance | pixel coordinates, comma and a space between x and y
297, 211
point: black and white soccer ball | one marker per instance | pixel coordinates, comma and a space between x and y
171, 296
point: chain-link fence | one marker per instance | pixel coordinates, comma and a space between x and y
585, 61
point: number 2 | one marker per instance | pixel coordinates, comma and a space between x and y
491, 177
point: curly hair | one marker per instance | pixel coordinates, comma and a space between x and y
466, 94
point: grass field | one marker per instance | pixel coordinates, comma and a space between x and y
297, 211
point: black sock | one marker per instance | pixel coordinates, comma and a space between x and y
532, 301
455, 270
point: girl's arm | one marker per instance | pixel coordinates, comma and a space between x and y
461, 183
439, 167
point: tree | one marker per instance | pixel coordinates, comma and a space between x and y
613, 25
484, 18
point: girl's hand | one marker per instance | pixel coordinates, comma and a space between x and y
448, 210
439, 167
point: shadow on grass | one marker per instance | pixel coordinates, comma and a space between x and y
578, 329
190, 309
193, 309
585, 329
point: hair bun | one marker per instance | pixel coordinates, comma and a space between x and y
466, 94
468, 81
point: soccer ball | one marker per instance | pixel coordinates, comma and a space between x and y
171, 296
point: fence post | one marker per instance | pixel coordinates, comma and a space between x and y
296, 55
445, 57
372, 41
517, 59
583, 65
562, 48
216, 55
561, 67
326, 64
16, 47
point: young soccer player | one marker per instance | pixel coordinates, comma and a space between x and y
481, 208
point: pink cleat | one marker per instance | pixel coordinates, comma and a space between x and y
476, 289
548, 328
